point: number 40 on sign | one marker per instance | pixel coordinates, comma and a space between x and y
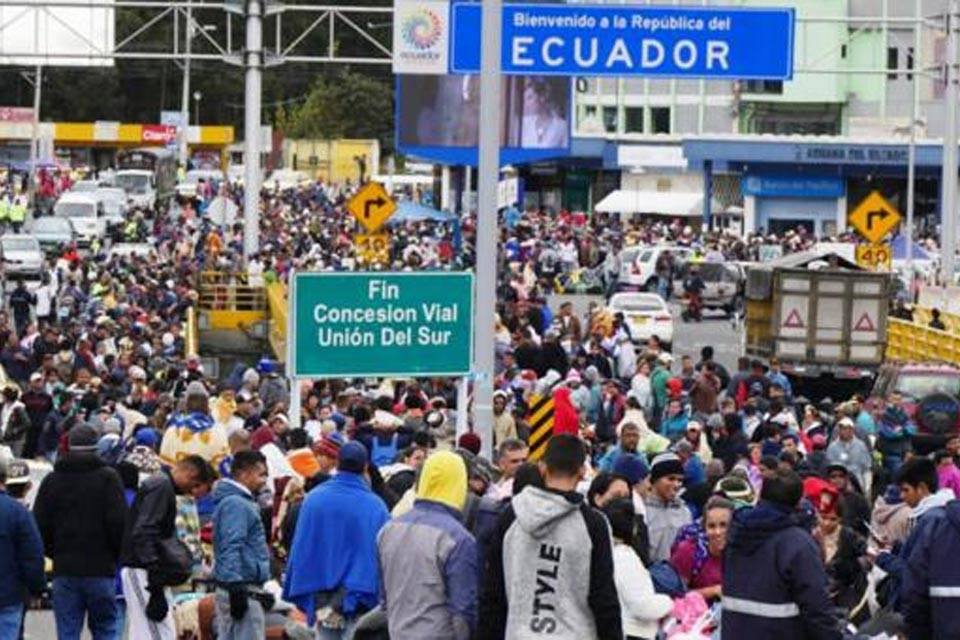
876, 257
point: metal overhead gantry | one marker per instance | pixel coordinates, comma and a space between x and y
256, 34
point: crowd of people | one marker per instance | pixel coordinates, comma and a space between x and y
675, 498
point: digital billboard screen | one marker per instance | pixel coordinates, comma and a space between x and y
438, 117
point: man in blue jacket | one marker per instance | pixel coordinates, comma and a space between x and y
21, 559
332, 573
931, 576
240, 548
774, 582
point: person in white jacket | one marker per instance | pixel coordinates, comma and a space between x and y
641, 609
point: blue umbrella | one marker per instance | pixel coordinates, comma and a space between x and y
409, 211
899, 246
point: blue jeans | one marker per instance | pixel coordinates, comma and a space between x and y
92, 598
11, 617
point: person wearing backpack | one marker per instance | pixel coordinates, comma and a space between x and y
149, 567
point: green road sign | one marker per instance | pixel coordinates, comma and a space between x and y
380, 324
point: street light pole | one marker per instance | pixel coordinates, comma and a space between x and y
185, 95
35, 137
488, 175
251, 128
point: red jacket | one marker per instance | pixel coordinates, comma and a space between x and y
565, 418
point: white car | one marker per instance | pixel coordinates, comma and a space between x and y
21, 255
84, 186
645, 314
83, 210
283, 179
113, 204
638, 265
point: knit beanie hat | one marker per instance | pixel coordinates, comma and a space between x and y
471, 442
329, 445
631, 467
665, 464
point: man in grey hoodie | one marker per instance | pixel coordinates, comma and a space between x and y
666, 512
550, 565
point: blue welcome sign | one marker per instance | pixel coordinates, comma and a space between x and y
586, 40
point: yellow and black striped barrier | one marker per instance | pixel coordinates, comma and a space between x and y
540, 420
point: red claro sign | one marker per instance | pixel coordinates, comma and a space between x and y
158, 133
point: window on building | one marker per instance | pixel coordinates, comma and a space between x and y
610, 119
910, 63
793, 119
774, 87
893, 62
633, 119
660, 120
843, 52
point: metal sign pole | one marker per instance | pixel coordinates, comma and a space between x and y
251, 129
486, 268
948, 203
912, 160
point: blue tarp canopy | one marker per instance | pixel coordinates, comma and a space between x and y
409, 211
899, 246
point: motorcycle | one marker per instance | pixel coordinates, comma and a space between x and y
692, 304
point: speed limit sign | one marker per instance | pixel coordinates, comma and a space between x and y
876, 257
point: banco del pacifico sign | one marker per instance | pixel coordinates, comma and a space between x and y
380, 324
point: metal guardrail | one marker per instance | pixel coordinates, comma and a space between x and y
230, 292
277, 305
915, 342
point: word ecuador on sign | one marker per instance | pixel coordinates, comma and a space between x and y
608, 40
380, 324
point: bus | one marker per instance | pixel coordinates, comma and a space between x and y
148, 175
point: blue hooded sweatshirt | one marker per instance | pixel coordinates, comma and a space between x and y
335, 546
774, 581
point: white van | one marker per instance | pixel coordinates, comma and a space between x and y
83, 211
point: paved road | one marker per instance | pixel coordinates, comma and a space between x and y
40, 626
716, 330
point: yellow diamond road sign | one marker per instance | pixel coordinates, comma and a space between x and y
372, 206
874, 218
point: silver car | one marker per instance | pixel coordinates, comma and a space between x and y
21, 255
51, 231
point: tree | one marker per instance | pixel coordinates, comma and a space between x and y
344, 104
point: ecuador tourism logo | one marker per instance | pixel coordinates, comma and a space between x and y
422, 29
421, 36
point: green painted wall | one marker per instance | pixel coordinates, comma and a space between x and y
866, 50
816, 45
